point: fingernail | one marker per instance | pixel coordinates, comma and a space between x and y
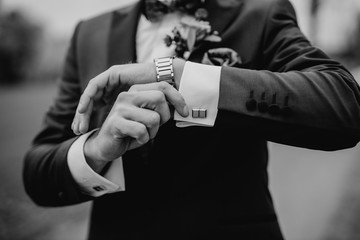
186, 110
81, 128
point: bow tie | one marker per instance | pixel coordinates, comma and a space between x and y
154, 10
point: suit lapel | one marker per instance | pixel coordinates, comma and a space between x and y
222, 14
121, 47
122, 39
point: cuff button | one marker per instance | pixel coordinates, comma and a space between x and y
263, 107
274, 109
99, 188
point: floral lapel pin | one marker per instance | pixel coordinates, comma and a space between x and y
195, 30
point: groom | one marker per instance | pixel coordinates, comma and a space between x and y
243, 75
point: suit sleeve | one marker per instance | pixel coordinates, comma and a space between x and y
298, 96
46, 174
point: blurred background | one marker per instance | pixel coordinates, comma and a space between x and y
317, 194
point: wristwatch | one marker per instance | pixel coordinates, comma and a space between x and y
164, 70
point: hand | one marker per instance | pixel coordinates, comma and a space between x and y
134, 119
103, 88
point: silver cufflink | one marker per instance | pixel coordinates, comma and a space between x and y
199, 113
99, 188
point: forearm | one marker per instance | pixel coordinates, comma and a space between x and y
91, 155
130, 74
47, 178
179, 65
324, 106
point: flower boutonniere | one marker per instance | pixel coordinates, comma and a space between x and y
192, 31
222, 57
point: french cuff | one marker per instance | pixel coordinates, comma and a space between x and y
200, 87
90, 182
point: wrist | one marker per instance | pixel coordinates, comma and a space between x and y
92, 155
178, 65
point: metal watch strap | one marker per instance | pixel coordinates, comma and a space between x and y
164, 70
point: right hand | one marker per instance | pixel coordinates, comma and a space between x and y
134, 119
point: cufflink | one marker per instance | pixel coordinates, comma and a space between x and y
199, 113
99, 188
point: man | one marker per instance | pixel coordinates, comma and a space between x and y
148, 177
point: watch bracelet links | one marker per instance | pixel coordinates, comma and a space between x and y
164, 70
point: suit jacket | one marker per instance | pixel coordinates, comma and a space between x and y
197, 182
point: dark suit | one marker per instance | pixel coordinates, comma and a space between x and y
199, 182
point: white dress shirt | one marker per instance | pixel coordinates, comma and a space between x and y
199, 85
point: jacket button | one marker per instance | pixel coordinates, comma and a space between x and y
286, 111
262, 106
251, 103
274, 109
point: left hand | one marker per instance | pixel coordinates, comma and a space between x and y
106, 86
134, 119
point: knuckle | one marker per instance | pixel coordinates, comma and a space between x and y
163, 86
141, 130
134, 88
91, 82
159, 96
113, 68
123, 96
113, 72
154, 119
122, 109
111, 120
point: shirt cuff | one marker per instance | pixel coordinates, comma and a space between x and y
90, 182
200, 87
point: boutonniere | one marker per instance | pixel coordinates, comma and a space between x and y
222, 57
192, 31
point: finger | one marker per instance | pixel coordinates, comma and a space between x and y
151, 119
81, 121
133, 129
109, 94
94, 87
75, 125
171, 94
234, 54
151, 99
84, 119
215, 53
